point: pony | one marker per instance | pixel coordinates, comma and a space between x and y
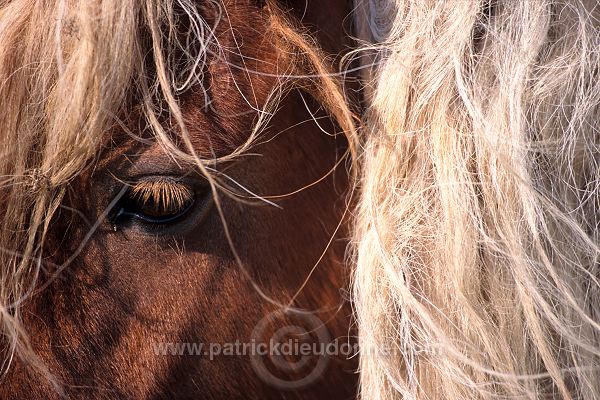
418, 176
156, 201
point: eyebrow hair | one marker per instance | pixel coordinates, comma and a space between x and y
165, 193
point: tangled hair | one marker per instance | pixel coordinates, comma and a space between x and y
477, 234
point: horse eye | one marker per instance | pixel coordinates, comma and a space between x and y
156, 202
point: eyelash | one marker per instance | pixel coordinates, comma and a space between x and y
154, 203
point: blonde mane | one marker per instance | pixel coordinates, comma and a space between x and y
477, 231
475, 236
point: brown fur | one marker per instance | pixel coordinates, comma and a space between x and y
94, 326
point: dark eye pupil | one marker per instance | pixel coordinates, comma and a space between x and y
158, 209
